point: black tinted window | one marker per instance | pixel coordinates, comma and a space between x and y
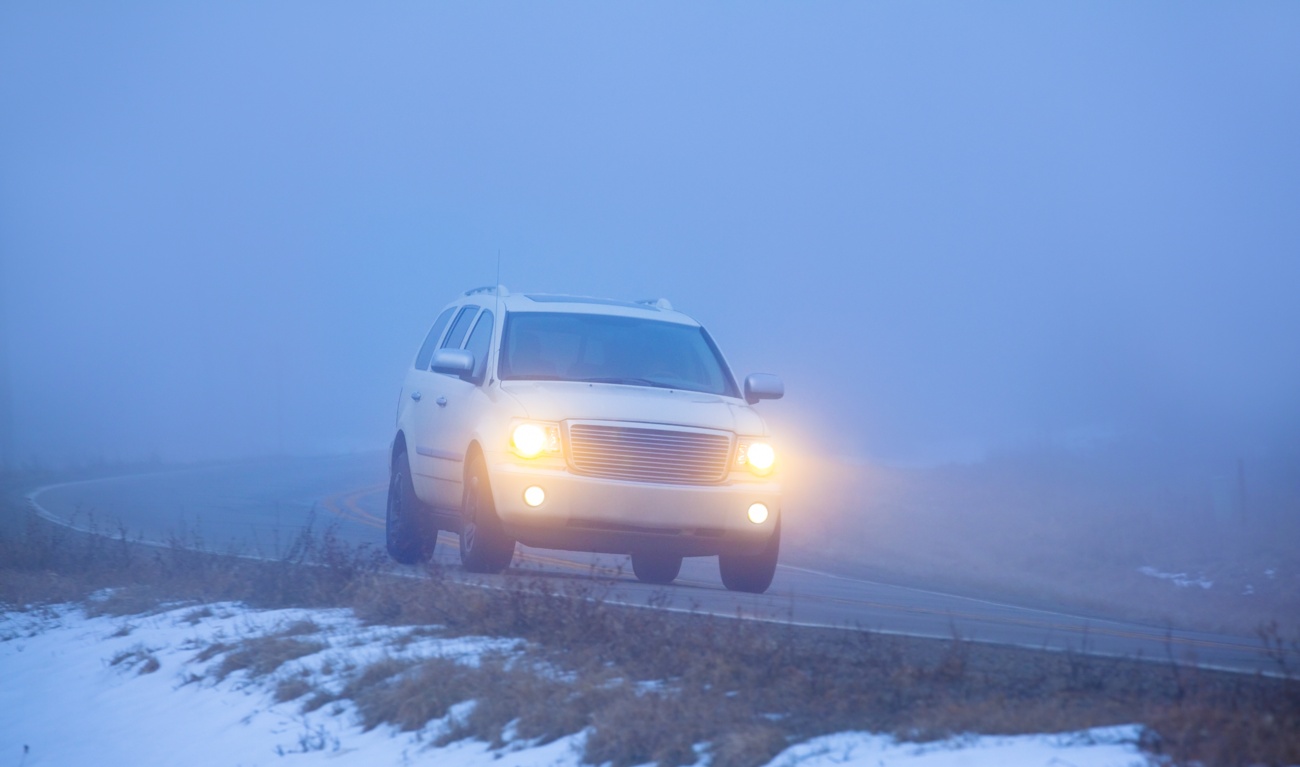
458, 328
479, 341
431, 340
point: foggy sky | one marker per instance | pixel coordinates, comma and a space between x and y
224, 228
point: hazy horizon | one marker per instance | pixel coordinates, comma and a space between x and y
952, 230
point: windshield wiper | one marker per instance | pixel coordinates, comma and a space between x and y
629, 381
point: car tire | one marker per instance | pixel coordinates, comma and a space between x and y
654, 567
751, 572
484, 545
409, 533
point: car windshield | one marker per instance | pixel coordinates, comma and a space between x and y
601, 348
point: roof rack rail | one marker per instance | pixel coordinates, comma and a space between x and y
657, 303
500, 290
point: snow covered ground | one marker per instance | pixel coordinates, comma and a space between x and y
84, 691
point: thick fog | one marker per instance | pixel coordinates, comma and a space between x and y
951, 229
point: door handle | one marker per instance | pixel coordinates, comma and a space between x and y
415, 395
442, 401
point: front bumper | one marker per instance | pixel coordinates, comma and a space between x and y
613, 516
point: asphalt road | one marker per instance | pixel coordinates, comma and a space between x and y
258, 507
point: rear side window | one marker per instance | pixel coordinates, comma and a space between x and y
459, 328
431, 340
478, 343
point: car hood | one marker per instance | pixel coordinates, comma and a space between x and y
577, 401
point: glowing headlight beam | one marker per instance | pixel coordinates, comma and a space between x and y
761, 456
529, 440
757, 456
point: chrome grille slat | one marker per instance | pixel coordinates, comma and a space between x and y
656, 447
657, 456
648, 455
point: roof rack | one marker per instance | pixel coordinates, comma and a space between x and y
500, 290
657, 303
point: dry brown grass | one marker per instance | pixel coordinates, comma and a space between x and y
749, 688
292, 688
260, 656
140, 658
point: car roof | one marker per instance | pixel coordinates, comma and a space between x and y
658, 309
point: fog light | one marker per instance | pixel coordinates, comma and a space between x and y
758, 513
535, 496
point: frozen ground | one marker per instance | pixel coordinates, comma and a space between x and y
78, 690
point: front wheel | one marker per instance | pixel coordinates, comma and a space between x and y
409, 533
653, 567
751, 572
484, 545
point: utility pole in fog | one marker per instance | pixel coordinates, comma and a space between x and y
7, 457
1241, 491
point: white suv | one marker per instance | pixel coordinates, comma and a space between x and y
583, 424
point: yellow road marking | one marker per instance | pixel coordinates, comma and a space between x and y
344, 505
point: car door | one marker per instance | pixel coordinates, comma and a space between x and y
462, 400
425, 398
409, 400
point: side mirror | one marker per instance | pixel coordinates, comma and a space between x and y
454, 362
763, 386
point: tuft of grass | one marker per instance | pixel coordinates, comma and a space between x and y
292, 688
196, 616
139, 657
409, 696
537, 706
262, 655
657, 727
300, 627
747, 745
211, 651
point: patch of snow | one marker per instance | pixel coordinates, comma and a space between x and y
62, 702
1182, 580
1100, 747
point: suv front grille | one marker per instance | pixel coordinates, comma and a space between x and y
669, 456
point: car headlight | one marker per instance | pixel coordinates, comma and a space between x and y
756, 455
530, 440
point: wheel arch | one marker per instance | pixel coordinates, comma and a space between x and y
399, 447
472, 453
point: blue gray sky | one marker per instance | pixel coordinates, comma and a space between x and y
951, 227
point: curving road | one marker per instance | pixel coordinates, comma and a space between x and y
258, 507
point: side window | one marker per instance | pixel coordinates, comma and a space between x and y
478, 343
458, 328
431, 340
